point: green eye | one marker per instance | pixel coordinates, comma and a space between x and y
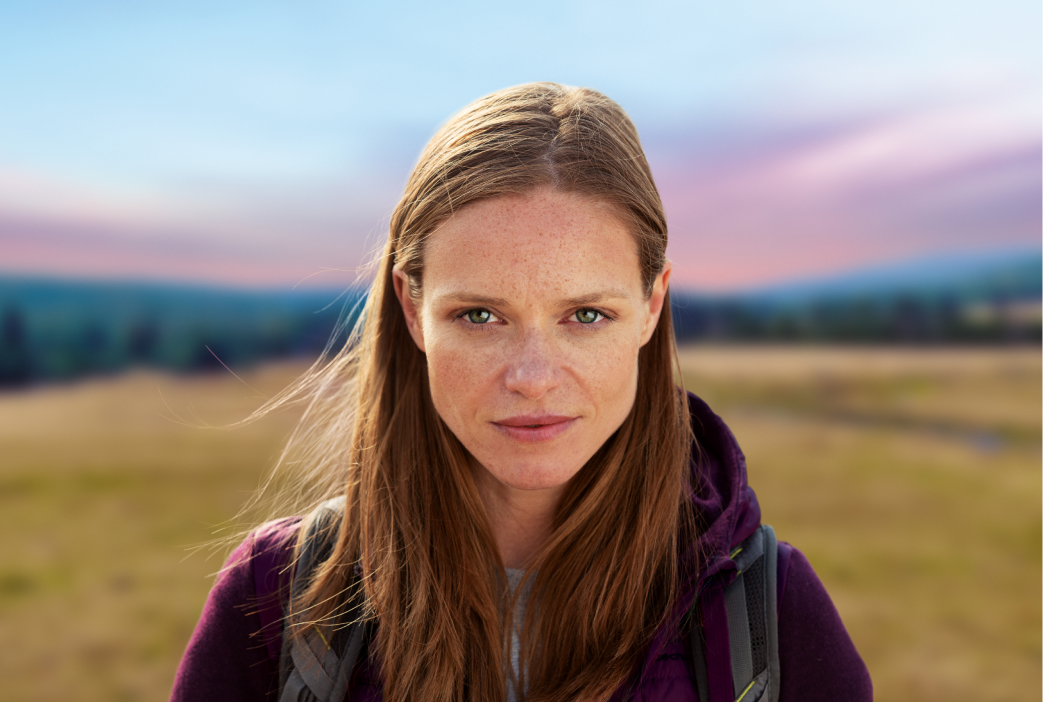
587, 316
478, 317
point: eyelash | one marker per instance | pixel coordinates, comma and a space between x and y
605, 317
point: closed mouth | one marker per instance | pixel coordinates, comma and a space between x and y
533, 420
534, 428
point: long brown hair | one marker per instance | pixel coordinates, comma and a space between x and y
430, 573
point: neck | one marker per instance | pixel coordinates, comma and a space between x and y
522, 520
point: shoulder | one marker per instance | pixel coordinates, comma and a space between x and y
271, 555
233, 653
817, 658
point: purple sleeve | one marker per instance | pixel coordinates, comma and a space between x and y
228, 658
818, 660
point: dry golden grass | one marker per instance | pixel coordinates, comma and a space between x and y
911, 479
102, 493
988, 391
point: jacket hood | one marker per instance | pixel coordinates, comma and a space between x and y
727, 513
727, 510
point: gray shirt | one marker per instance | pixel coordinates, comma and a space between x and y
514, 577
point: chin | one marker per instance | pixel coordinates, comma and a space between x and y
529, 476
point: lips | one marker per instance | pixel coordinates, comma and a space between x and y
534, 428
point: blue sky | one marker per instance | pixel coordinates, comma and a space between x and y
258, 143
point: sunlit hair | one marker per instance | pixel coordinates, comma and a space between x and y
607, 578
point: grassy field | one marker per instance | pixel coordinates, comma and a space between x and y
911, 479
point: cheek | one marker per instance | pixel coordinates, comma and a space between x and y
612, 379
461, 375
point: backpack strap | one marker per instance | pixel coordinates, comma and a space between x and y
317, 666
751, 622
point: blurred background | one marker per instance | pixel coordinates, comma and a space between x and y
854, 196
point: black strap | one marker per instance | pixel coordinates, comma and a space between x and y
697, 642
752, 622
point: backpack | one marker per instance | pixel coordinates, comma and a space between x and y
319, 665
750, 623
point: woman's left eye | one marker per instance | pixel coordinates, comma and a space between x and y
479, 317
588, 316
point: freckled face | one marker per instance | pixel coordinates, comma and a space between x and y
531, 318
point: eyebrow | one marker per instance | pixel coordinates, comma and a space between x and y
588, 299
598, 297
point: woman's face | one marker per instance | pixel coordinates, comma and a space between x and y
531, 318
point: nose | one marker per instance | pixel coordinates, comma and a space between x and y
534, 368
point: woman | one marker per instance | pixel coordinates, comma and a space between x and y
530, 507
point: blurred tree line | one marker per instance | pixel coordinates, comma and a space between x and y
900, 319
51, 330
54, 330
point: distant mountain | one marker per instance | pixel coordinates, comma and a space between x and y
966, 277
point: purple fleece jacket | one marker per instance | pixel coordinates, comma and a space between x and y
234, 652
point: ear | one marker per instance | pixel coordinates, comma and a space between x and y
655, 302
401, 281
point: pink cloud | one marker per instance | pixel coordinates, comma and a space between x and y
36, 247
873, 192
57, 228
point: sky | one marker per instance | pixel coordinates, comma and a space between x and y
265, 144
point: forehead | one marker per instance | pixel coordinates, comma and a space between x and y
544, 242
